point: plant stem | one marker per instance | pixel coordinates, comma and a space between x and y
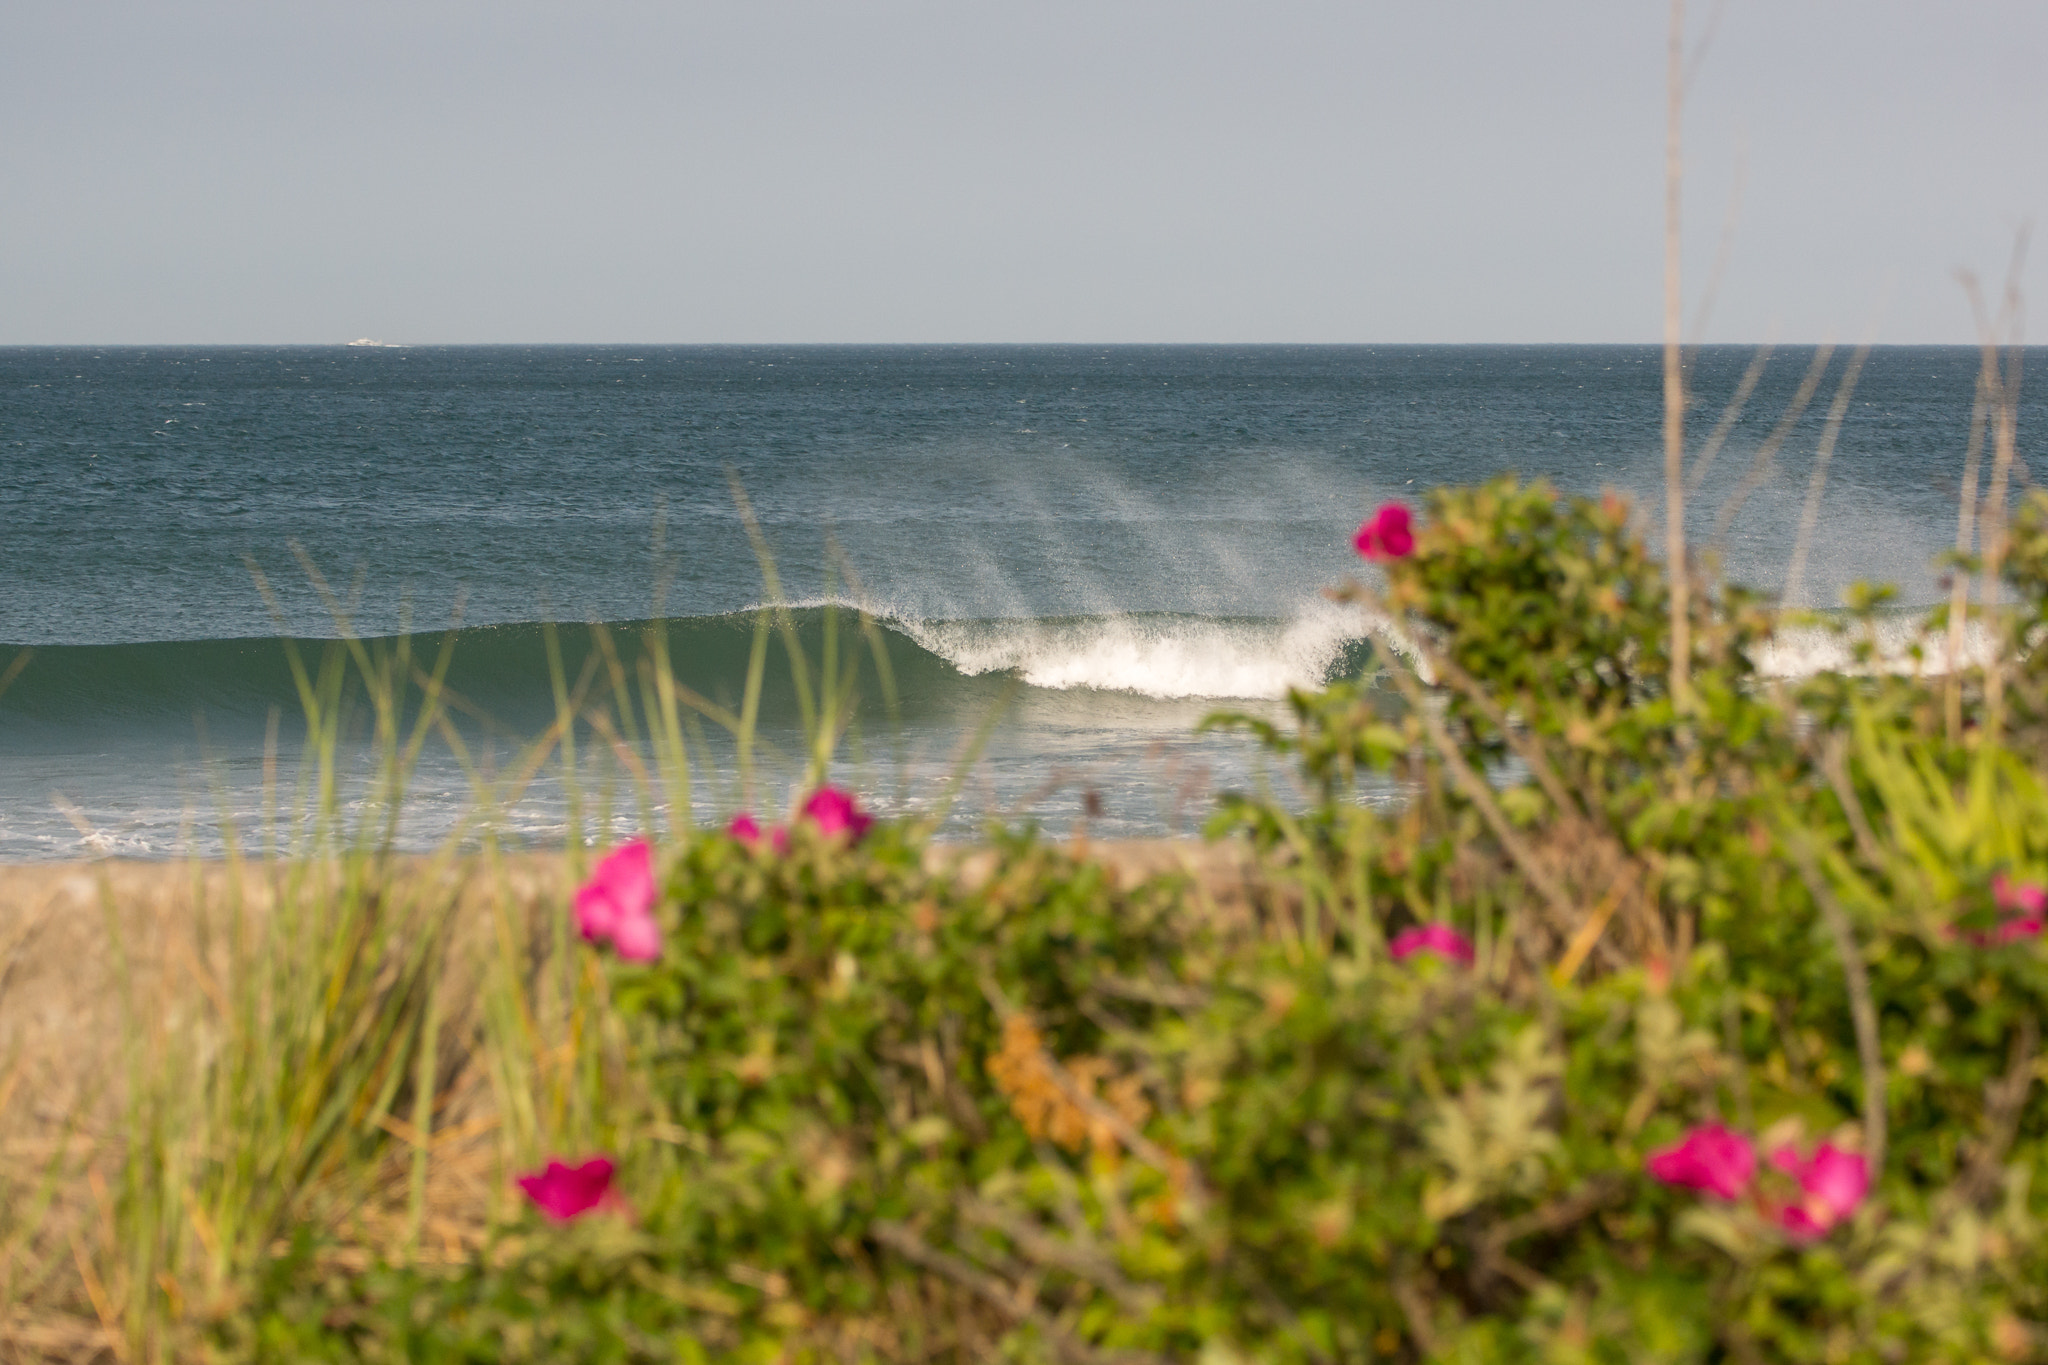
1674, 371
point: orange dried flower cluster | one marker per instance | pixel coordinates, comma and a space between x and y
1019, 1069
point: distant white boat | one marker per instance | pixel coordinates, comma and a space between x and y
366, 341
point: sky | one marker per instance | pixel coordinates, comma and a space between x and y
449, 171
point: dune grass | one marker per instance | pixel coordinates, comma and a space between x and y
378, 1040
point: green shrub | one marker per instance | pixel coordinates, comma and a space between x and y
912, 1109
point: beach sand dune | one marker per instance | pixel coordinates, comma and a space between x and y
93, 954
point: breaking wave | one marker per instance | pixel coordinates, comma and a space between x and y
937, 665
502, 670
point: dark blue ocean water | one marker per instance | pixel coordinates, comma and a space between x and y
1094, 545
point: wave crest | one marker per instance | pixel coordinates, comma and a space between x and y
1166, 656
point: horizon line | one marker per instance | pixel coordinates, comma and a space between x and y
368, 345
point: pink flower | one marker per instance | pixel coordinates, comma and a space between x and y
2019, 927
566, 1192
834, 813
1833, 1182
1441, 939
2028, 901
831, 810
1711, 1158
638, 939
747, 830
2024, 908
621, 888
2025, 896
1386, 535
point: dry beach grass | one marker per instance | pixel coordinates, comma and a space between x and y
117, 976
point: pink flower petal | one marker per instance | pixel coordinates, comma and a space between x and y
1711, 1158
1441, 939
746, 829
1387, 535
2024, 908
1803, 1226
1837, 1178
638, 938
2019, 896
621, 886
2022, 926
564, 1192
596, 914
834, 813
1397, 539
1833, 1182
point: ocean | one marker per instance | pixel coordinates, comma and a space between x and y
1072, 553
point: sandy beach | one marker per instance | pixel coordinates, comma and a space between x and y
86, 947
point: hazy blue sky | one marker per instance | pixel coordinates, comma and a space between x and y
1431, 170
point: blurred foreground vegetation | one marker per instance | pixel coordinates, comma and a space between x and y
873, 1104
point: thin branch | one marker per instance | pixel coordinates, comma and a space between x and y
1730, 414
1594, 925
1705, 44
2004, 392
1277, 1307
907, 1244
1959, 590
1834, 763
1554, 1216
1861, 1008
1760, 465
1168, 996
1470, 783
1089, 1264
14, 667
1525, 747
1731, 1031
2004, 1101
1142, 1147
1724, 249
1415, 1309
1809, 516
1674, 370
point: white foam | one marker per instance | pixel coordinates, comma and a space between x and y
1154, 656
1801, 651
1175, 657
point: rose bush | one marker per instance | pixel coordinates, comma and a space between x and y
1640, 1032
